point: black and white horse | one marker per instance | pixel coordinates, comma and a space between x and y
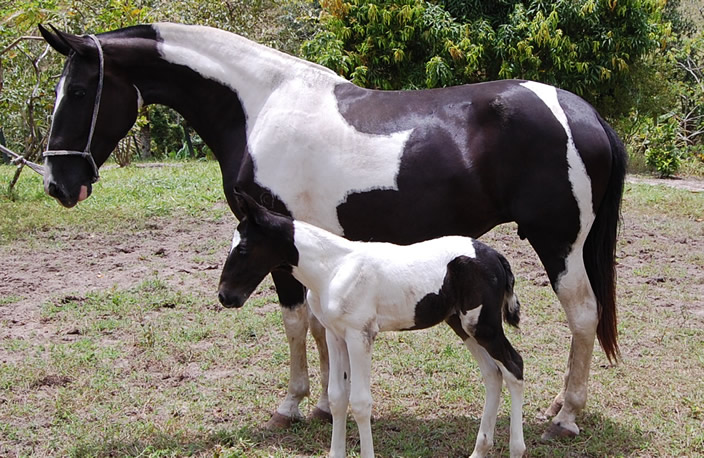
392, 166
357, 289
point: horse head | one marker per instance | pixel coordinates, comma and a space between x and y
95, 107
263, 242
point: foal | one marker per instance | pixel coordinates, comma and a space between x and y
357, 289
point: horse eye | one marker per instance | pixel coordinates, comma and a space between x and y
77, 91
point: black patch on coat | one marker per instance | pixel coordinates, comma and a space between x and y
479, 155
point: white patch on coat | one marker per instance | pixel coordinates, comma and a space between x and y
303, 149
388, 280
470, 319
579, 180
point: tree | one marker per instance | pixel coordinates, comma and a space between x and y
586, 47
30, 70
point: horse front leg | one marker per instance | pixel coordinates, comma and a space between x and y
322, 408
579, 302
296, 326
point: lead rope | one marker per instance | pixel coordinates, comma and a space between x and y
86, 153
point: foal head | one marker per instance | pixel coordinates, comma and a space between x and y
95, 107
263, 242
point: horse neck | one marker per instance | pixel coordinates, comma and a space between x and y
252, 70
320, 253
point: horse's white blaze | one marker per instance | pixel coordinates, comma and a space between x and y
303, 149
581, 186
235, 239
60, 93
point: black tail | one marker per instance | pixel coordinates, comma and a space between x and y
511, 307
600, 247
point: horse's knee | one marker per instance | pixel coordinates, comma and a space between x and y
361, 406
483, 444
295, 322
337, 398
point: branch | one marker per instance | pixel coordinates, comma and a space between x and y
18, 41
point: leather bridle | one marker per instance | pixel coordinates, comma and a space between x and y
86, 153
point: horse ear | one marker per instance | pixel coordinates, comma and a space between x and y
55, 40
65, 42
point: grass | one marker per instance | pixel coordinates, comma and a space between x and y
190, 189
151, 370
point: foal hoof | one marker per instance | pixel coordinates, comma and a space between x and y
557, 430
321, 415
278, 421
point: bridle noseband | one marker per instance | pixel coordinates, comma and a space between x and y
86, 153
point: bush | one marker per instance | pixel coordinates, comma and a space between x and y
586, 47
662, 153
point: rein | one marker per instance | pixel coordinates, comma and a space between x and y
86, 154
20, 160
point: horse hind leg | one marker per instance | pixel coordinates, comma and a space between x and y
577, 298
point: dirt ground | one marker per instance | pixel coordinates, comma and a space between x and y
53, 267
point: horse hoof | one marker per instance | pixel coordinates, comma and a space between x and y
278, 421
557, 430
321, 415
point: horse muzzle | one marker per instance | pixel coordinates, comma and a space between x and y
65, 197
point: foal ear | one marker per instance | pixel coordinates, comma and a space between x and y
247, 204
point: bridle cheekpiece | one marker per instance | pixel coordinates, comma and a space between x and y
86, 153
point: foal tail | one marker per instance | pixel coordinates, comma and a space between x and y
511, 307
600, 247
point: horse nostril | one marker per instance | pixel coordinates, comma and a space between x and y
222, 298
54, 190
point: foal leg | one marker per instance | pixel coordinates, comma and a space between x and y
517, 445
359, 347
491, 374
338, 392
322, 408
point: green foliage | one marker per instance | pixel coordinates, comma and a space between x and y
661, 151
586, 47
28, 71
